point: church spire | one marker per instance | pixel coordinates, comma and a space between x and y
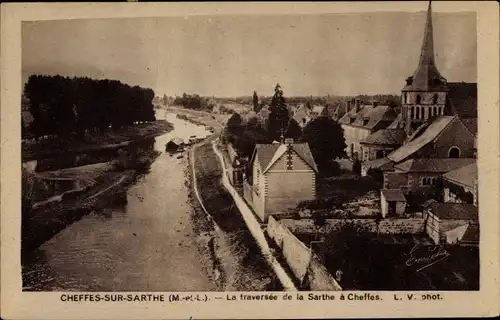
427, 76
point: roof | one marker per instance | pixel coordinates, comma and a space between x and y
454, 211
471, 234
177, 141
369, 116
381, 164
415, 144
462, 99
300, 113
393, 194
340, 109
433, 164
471, 124
464, 175
268, 154
387, 137
317, 109
397, 123
426, 77
428, 203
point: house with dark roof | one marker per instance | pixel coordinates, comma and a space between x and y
392, 202
283, 174
452, 222
361, 121
424, 174
460, 185
382, 142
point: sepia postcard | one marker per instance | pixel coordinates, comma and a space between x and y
250, 160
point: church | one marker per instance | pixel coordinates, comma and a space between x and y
437, 120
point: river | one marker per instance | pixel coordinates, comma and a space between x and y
149, 244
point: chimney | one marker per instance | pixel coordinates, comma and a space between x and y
358, 105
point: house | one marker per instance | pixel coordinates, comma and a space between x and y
361, 121
317, 110
460, 185
283, 174
451, 222
392, 202
423, 175
301, 115
382, 142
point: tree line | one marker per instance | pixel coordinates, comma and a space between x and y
193, 101
64, 106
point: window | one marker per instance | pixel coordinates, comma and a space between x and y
379, 154
435, 111
454, 152
412, 112
418, 99
417, 116
435, 99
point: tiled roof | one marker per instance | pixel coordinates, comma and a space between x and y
381, 164
397, 123
454, 211
301, 113
433, 164
268, 154
340, 109
471, 234
393, 194
265, 153
462, 99
464, 175
428, 135
369, 116
317, 109
394, 180
471, 124
387, 137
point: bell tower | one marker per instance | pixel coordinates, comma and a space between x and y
424, 95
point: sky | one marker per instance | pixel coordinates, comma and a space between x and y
223, 55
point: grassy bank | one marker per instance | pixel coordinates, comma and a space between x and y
109, 139
243, 265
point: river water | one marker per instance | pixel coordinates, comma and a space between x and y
149, 244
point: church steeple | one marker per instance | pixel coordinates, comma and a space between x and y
426, 77
425, 93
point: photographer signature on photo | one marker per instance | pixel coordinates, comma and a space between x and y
426, 257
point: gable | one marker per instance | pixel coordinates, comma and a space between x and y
297, 163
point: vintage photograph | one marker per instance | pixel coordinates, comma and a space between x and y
293, 152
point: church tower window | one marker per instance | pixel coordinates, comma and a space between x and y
417, 115
435, 99
418, 99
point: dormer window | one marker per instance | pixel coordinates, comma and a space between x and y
409, 81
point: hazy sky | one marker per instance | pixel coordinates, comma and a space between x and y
340, 54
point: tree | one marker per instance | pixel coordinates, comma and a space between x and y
256, 106
326, 140
165, 99
278, 118
293, 130
235, 124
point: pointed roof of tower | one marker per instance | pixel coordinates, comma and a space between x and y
427, 76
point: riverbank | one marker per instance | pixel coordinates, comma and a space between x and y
104, 186
238, 262
110, 139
